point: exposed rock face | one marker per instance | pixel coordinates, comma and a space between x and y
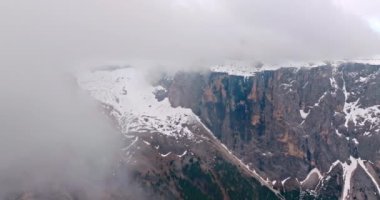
285, 122
332, 184
362, 186
289, 133
168, 152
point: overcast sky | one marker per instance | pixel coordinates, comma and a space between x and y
49, 130
67, 33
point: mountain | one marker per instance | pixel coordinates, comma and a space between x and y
288, 122
168, 151
245, 133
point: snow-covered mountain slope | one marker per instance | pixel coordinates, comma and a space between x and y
158, 135
286, 124
132, 101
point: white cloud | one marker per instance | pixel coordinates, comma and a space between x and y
365, 9
66, 33
374, 24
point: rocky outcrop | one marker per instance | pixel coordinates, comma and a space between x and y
288, 121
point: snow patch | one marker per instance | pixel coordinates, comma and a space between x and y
348, 170
320, 99
304, 114
363, 79
245, 69
337, 132
284, 181
333, 84
183, 154
159, 88
313, 171
372, 61
248, 70
134, 106
355, 141
165, 155
337, 162
355, 113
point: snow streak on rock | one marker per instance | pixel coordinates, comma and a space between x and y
348, 170
359, 115
313, 171
361, 163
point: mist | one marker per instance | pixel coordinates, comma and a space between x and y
184, 34
53, 134
54, 137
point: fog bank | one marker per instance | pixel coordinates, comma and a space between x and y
53, 136
184, 34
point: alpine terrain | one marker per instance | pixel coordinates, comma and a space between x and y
297, 132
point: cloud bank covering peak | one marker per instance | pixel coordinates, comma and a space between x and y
185, 33
42, 115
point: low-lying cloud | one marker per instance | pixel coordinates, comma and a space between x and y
51, 133
183, 33
53, 137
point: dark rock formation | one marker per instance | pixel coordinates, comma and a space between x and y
285, 122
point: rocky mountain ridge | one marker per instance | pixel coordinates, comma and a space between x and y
169, 150
280, 133
287, 122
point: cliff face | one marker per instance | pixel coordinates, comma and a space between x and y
167, 153
286, 122
289, 133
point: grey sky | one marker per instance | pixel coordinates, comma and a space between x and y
184, 32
